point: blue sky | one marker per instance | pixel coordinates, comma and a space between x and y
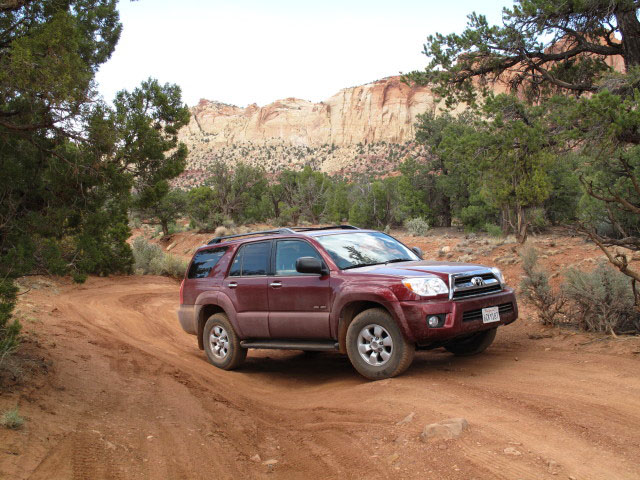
249, 51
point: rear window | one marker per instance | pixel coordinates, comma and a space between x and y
204, 261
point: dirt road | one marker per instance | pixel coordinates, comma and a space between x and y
129, 395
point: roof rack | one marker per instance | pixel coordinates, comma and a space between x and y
278, 231
330, 227
281, 231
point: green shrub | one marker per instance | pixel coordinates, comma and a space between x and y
11, 419
145, 254
9, 327
538, 219
493, 230
474, 217
151, 260
418, 227
602, 301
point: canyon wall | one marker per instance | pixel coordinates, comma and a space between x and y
382, 111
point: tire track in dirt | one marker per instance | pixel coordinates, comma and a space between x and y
162, 411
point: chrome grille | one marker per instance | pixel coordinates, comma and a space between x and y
469, 284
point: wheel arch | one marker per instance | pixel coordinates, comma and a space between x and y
349, 312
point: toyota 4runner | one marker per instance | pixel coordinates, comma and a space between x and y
359, 292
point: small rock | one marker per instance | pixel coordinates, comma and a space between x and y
171, 246
444, 430
552, 467
270, 463
407, 419
392, 458
516, 359
256, 458
547, 349
511, 451
149, 437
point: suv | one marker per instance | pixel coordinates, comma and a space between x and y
359, 292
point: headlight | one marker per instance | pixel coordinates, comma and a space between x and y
498, 274
426, 286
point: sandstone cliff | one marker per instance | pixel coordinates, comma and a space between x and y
380, 111
363, 128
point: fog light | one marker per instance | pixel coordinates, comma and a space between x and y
433, 321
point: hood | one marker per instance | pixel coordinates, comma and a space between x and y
421, 268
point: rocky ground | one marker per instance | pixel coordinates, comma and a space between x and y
111, 387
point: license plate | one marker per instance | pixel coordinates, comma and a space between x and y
490, 315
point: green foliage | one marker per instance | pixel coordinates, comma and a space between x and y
601, 301
151, 260
418, 227
541, 48
11, 419
9, 328
164, 210
68, 161
493, 230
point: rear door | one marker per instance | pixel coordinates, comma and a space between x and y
298, 303
246, 286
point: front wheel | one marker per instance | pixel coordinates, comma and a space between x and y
221, 344
376, 347
474, 344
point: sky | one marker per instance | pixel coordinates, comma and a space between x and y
250, 51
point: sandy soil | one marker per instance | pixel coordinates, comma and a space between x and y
123, 392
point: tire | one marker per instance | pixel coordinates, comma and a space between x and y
473, 345
367, 341
221, 343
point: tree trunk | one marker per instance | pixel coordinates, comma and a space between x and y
629, 25
523, 225
505, 221
446, 212
165, 227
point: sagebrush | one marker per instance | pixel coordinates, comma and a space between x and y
536, 288
418, 227
597, 301
149, 259
11, 419
602, 300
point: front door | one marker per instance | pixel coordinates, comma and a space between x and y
246, 286
298, 303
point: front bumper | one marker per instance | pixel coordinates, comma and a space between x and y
463, 317
187, 317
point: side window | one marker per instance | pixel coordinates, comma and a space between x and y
288, 251
204, 261
252, 259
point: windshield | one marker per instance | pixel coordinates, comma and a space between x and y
352, 250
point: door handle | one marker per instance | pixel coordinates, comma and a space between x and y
233, 284
275, 284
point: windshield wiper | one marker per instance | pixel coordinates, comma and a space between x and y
393, 260
396, 260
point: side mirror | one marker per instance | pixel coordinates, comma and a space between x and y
417, 251
311, 265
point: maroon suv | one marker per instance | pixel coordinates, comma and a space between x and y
359, 292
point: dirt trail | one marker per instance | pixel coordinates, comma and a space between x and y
131, 396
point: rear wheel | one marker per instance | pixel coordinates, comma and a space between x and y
474, 344
376, 347
221, 344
